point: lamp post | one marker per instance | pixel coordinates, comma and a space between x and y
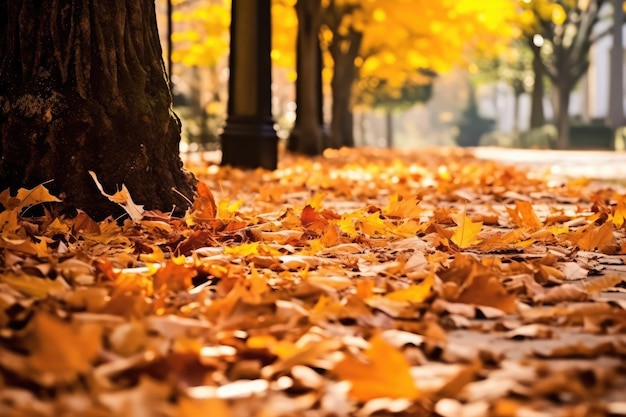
249, 139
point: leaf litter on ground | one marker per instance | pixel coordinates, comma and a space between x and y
364, 282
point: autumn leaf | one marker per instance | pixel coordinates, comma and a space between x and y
62, 350
122, 198
415, 293
34, 286
372, 225
523, 215
465, 234
384, 372
204, 207
619, 215
597, 237
407, 207
26, 198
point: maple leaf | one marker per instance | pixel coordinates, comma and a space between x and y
403, 207
523, 215
122, 198
597, 237
26, 198
384, 373
313, 220
465, 234
372, 224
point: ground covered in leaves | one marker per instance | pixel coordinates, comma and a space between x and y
364, 283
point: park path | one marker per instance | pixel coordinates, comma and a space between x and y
606, 165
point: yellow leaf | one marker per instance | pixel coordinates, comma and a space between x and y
372, 224
384, 374
466, 231
26, 198
33, 286
347, 223
414, 293
620, 211
226, 208
405, 207
316, 201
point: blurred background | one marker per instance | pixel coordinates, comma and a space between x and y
417, 73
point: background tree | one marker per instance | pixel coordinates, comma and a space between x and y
201, 45
399, 37
83, 88
561, 32
514, 67
378, 94
616, 92
307, 136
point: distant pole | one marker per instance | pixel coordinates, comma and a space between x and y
249, 139
616, 76
169, 45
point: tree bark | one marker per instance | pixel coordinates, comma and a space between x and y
307, 136
537, 118
344, 75
83, 88
389, 128
562, 115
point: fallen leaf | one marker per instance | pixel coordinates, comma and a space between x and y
384, 372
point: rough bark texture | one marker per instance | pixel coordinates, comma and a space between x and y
82, 87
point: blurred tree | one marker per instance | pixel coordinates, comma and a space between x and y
391, 40
83, 88
307, 135
513, 66
561, 33
616, 92
377, 94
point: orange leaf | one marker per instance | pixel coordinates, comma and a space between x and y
204, 206
523, 215
596, 237
385, 373
312, 220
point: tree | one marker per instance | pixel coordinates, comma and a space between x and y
399, 37
307, 136
561, 33
379, 94
83, 89
616, 92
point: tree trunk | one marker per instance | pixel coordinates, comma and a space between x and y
344, 75
562, 115
389, 127
83, 88
616, 91
306, 136
537, 118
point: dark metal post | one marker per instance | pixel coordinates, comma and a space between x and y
249, 139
